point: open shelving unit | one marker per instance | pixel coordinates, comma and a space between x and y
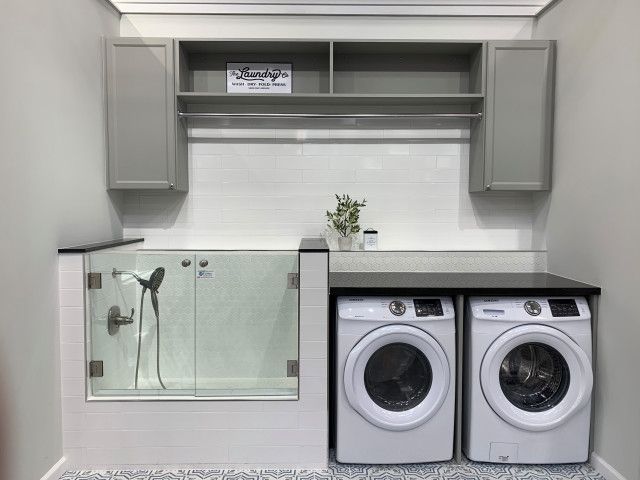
336, 77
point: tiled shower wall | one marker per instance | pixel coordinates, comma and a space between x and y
268, 187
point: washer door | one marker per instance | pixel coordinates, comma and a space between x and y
397, 377
535, 377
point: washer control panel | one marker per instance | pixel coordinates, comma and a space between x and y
532, 307
397, 308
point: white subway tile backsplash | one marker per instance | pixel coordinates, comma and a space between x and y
355, 163
404, 173
407, 162
275, 176
309, 162
274, 148
328, 176
248, 162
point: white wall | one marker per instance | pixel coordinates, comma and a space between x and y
592, 221
270, 186
53, 193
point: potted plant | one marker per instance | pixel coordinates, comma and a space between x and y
344, 220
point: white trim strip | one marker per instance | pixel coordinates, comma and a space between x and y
55, 471
604, 469
334, 7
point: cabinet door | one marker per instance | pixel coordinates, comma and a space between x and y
141, 113
519, 115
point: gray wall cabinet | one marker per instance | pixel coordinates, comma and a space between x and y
511, 145
510, 83
142, 125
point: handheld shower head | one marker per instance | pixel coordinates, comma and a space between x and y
155, 280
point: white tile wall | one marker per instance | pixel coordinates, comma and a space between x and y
268, 187
220, 433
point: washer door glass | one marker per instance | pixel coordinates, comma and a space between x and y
534, 377
398, 377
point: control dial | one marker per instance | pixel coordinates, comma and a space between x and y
397, 308
532, 308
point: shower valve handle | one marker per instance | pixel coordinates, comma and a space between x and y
121, 319
114, 319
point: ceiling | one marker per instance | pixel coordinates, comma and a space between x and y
521, 8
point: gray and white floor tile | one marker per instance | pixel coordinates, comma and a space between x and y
427, 471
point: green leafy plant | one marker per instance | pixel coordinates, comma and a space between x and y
344, 220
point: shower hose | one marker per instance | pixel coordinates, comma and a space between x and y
157, 314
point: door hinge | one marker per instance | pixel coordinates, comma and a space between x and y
292, 368
94, 280
95, 368
293, 280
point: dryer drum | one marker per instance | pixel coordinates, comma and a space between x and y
534, 377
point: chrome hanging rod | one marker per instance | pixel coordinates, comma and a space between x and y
329, 115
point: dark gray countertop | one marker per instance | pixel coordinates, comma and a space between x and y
92, 247
313, 245
415, 283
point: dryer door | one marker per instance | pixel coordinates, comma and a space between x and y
397, 377
535, 377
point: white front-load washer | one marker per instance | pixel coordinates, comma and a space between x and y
528, 380
395, 362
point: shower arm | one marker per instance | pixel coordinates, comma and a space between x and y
125, 272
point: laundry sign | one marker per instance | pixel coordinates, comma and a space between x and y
259, 77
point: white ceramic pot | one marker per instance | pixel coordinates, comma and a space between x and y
345, 243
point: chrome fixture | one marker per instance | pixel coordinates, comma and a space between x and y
204, 263
114, 319
186, 262
152, 284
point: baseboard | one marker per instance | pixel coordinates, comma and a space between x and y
55, 471
604, 469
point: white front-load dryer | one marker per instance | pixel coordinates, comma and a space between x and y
528, 380
395, 362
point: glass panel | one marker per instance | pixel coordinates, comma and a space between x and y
398, 377
132, 346
246, 324
534, 377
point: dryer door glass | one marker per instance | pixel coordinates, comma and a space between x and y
534, 377
398, 377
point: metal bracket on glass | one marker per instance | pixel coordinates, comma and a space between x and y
94, 280
292, 368
293, 280
96, 368
114, 319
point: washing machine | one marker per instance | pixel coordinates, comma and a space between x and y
528, 380
395, 379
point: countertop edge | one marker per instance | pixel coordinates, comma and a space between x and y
312, 245
93, 247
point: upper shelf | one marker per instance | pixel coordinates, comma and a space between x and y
332, 73
362, 99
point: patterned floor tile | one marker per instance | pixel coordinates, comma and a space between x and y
427, 471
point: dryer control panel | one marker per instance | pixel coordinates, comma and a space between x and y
533, 309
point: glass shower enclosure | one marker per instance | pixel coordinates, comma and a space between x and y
192, 325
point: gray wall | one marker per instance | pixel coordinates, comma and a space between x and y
592, 219
52, 168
